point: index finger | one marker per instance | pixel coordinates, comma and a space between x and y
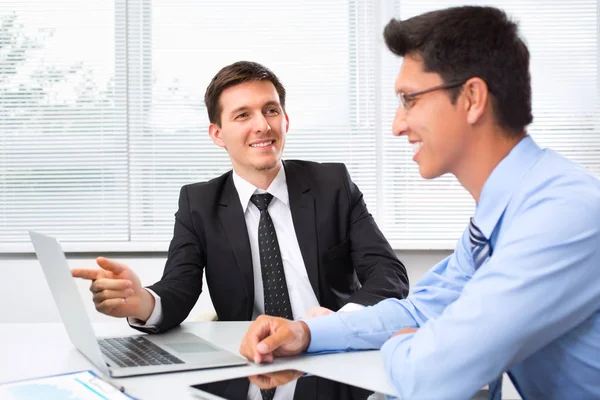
111, 265
91, 274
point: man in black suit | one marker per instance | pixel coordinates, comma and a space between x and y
329, 253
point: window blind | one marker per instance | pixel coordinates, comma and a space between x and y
63, 142
102, 117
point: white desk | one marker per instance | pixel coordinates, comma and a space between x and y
32, 350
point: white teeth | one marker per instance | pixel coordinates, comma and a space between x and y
263, 144
417, 146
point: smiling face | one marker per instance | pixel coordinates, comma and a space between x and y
253, 128
437, 129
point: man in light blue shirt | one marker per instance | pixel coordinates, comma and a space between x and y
521, 292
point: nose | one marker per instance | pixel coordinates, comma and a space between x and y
261, 124
399, 125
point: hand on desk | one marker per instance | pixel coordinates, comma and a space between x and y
274, 379
270, 337
117, 290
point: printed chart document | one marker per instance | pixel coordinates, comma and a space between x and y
81, 385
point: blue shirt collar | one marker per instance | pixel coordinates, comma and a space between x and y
502, 182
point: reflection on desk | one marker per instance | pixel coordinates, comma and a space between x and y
308, 387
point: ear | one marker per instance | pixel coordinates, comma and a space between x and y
214, 131
477, 95
287, 122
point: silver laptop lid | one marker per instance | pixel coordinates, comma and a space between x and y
66, 296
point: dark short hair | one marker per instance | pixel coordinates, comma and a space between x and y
234, 74
460, 43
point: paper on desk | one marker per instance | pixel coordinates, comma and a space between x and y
82, 385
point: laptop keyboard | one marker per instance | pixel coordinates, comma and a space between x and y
135, 351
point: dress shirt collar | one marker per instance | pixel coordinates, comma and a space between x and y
278, 188
502, 182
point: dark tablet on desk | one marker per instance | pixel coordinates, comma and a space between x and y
308, 387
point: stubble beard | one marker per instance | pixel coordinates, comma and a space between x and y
267, 167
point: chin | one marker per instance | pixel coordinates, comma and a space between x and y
267, 166
428, 173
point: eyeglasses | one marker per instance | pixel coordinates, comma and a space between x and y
406, 99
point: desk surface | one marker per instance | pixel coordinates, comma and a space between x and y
32, 350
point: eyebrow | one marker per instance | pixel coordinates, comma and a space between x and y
244, 108
272, 103
403, 89
237, 110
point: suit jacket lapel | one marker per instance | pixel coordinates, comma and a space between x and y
234, 224
302, 205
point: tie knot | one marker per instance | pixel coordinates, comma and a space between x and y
261, 201
477, 238
481, 249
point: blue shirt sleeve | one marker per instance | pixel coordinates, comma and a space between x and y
541, 282
371, 327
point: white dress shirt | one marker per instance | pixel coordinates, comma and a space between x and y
302, 296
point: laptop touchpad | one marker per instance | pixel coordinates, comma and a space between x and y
189, 347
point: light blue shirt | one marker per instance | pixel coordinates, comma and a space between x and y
533, 309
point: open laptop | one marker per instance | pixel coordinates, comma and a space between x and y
122, 356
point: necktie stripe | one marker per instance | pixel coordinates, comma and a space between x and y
478, 240
476, 233
480, 253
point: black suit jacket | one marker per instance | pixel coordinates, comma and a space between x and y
346, 256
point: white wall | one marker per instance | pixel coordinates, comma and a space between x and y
25, 297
